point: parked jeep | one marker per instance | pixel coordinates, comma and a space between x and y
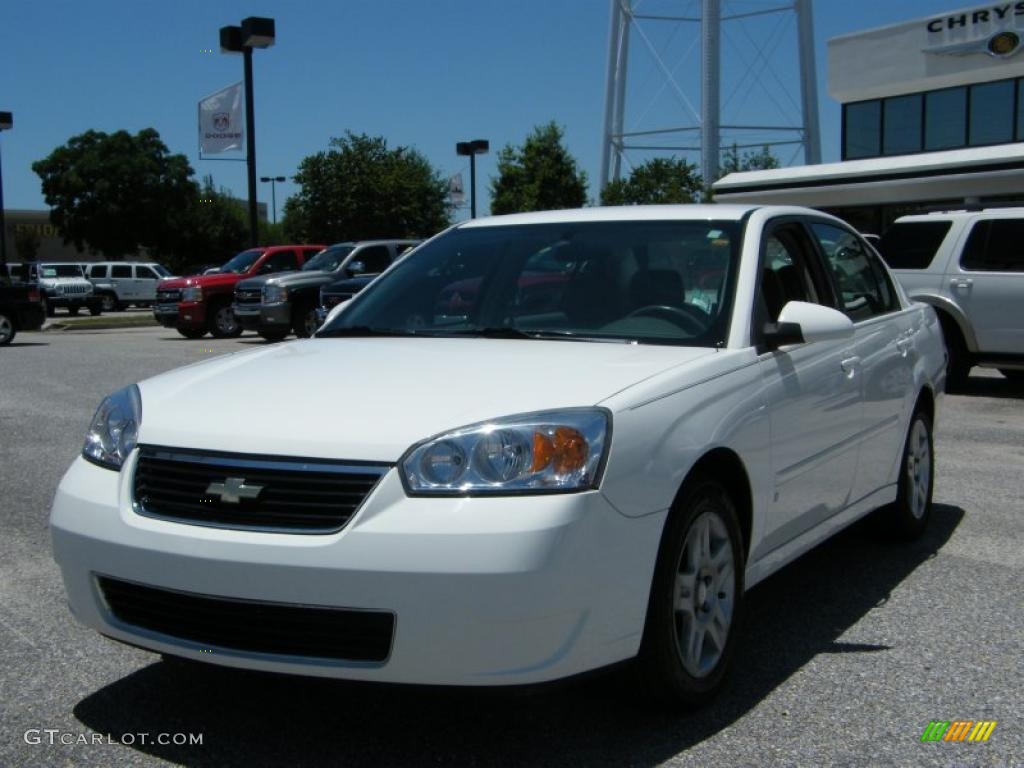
202, 303
120, 283
62, 284
277, 304
969, 265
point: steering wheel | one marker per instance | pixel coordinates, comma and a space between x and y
688, 317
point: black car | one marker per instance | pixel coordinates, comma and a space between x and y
21, 309
341, 290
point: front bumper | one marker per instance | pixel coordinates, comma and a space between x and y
247, 315
485, 591
187, 315
166, 315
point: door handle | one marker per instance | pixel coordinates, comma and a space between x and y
903, 346
962, 283
849, 365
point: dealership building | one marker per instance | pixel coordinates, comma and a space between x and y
932, 115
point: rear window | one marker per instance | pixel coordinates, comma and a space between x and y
913, 244
995, 246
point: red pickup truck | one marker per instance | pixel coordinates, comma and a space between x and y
202, 303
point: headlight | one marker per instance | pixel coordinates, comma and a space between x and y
546, 452
274, 294
115, 429
192, 293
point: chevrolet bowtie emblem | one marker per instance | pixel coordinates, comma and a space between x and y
233, 490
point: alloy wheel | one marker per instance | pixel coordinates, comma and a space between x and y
224, 321
919, 468
6, 329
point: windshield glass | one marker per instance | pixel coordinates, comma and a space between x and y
241, 263
60, 270
650, 281
328, 259
161, 270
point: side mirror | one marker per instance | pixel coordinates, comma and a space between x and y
356, 268
801, 322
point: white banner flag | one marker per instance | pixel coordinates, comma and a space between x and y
221, 121
455, 190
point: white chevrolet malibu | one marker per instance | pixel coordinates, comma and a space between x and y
538, 445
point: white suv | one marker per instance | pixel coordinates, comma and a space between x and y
120, 283
969, 265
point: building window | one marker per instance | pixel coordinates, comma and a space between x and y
902, 121
945, 119
862, 130
992, 115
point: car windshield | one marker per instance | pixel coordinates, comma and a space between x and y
667, 282
60, 270
241, 263
328, 259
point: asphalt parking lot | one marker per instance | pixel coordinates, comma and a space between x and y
845, 658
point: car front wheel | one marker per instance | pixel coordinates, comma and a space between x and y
223, 324
696, 598
306, 323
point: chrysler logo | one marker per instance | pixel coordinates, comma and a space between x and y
233, 490
1000, 45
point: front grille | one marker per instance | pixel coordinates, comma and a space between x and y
249, 295
250, 625
168, 297
75, 289
251, 492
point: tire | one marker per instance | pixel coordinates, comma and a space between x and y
48, 307
7, 329
1014, 375
73, 309
696, 602
110, 303
222, 323
908, 516
305, 323
958, 362
192, 333
95, 310
273, 335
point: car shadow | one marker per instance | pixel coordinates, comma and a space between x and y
991, 386
255, 719
28, 344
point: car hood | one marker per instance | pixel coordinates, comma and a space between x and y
206, 281
286, 278
371, 398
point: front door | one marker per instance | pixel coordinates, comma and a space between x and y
813, 394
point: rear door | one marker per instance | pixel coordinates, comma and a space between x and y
988, 283
882, 346
123, 281
813, 393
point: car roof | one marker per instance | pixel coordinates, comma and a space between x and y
962, 213
689, 212
383, 241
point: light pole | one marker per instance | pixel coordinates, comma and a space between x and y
6, 123
274, 181
472, 148
255, 32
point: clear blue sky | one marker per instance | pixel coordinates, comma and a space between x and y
424, 74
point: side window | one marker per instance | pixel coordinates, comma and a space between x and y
145, 273
375, 259
282, 261
996, 245
98, 270
864, 287
121, 270
308, 253
785, 271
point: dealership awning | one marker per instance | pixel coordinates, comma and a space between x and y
978, 172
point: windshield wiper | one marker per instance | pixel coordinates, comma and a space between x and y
363, 330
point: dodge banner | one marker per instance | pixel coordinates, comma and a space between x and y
221, 121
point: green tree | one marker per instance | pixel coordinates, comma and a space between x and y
209, 229
360, 189
732, 162
539, 176
116, 193
655, 182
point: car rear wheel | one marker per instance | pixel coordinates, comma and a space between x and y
696, 598
223, 324
110, 303
192, 333
910, 513
7, 330
306, 323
